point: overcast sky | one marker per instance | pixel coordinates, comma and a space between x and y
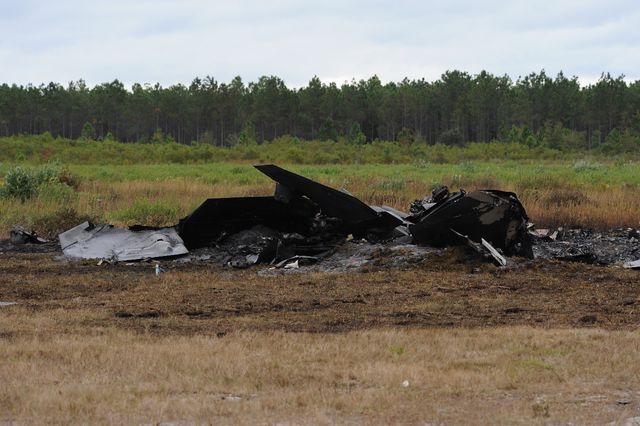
174, 41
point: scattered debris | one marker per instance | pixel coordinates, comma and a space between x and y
483, 248
405, 384
6, 246
19, 235
298, 260
624, 400
496, 216
579, 256
305, 223
358, 255
3, 304
292, 265
632, 265
617, 246
88, 241
159, 269
494, 253
546, 234
233, 398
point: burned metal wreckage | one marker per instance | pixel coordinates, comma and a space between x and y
304, 221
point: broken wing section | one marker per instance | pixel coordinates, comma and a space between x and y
88, 241
356, 216
19, 235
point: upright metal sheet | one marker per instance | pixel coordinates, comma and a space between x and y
332, 202
356, 216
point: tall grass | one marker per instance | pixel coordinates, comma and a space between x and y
603, 195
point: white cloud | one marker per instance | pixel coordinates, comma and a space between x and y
174, 41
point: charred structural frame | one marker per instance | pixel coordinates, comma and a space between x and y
306, 219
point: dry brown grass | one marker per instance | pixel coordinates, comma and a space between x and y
490, 376
116, 344
601, 208
182, 193
597, 207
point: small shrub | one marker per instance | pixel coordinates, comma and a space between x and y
398, 351
66, 177
24, 183
405, 136
19, 183
88, 132
581, 166
355, 135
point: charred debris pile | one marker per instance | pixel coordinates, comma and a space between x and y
306, 222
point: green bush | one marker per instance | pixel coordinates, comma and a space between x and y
355, 135
18, 183
582, 166
88, 132
25, 183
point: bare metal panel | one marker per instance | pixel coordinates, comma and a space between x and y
88, 241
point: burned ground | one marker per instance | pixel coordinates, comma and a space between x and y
437, 291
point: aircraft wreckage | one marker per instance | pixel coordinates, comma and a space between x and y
304, 220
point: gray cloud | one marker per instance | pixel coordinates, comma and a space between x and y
174, 41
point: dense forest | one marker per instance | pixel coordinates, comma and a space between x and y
452, 110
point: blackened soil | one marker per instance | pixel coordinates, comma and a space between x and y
443, 289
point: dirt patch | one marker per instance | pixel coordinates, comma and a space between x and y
438, 291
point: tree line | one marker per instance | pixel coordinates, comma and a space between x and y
456, 108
